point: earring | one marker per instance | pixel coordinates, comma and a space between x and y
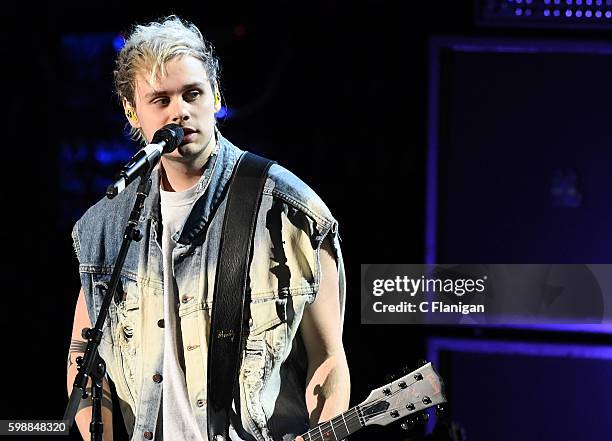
217, 98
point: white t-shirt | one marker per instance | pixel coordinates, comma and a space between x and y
178, 418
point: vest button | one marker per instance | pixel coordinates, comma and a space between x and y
160, 323
148, 435
200, 403
157, 378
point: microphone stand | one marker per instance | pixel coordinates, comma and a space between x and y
91, 365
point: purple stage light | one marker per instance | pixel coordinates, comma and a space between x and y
436, 345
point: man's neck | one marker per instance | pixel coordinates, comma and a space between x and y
180, 176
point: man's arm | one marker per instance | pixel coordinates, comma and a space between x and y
328, 382
77, 347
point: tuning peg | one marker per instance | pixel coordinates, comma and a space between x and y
422, 362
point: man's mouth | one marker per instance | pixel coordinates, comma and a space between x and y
189, 135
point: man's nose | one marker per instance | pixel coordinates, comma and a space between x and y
179, 111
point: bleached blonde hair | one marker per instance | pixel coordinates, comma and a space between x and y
149, 47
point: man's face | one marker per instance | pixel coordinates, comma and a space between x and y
184, 97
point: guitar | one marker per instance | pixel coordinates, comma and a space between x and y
410, 394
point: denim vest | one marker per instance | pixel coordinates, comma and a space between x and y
284, 277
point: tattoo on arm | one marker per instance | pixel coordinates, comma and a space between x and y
76, 347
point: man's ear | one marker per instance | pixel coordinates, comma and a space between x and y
130, 114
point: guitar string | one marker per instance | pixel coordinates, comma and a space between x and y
317, 436
356, 416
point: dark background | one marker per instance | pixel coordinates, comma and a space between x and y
337, 93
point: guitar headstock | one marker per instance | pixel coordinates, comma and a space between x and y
407, 395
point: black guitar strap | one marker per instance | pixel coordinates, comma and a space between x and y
229, 298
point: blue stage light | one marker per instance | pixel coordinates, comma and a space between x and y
107, 154
118, 42
224, 113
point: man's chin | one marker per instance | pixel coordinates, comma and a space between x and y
187, 152
188, 149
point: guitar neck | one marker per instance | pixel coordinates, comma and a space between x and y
410, 394
338, 427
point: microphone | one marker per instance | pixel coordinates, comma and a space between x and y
165, 140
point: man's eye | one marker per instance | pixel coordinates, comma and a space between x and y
162, 101
193, 94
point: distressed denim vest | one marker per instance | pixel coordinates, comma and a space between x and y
269, 402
